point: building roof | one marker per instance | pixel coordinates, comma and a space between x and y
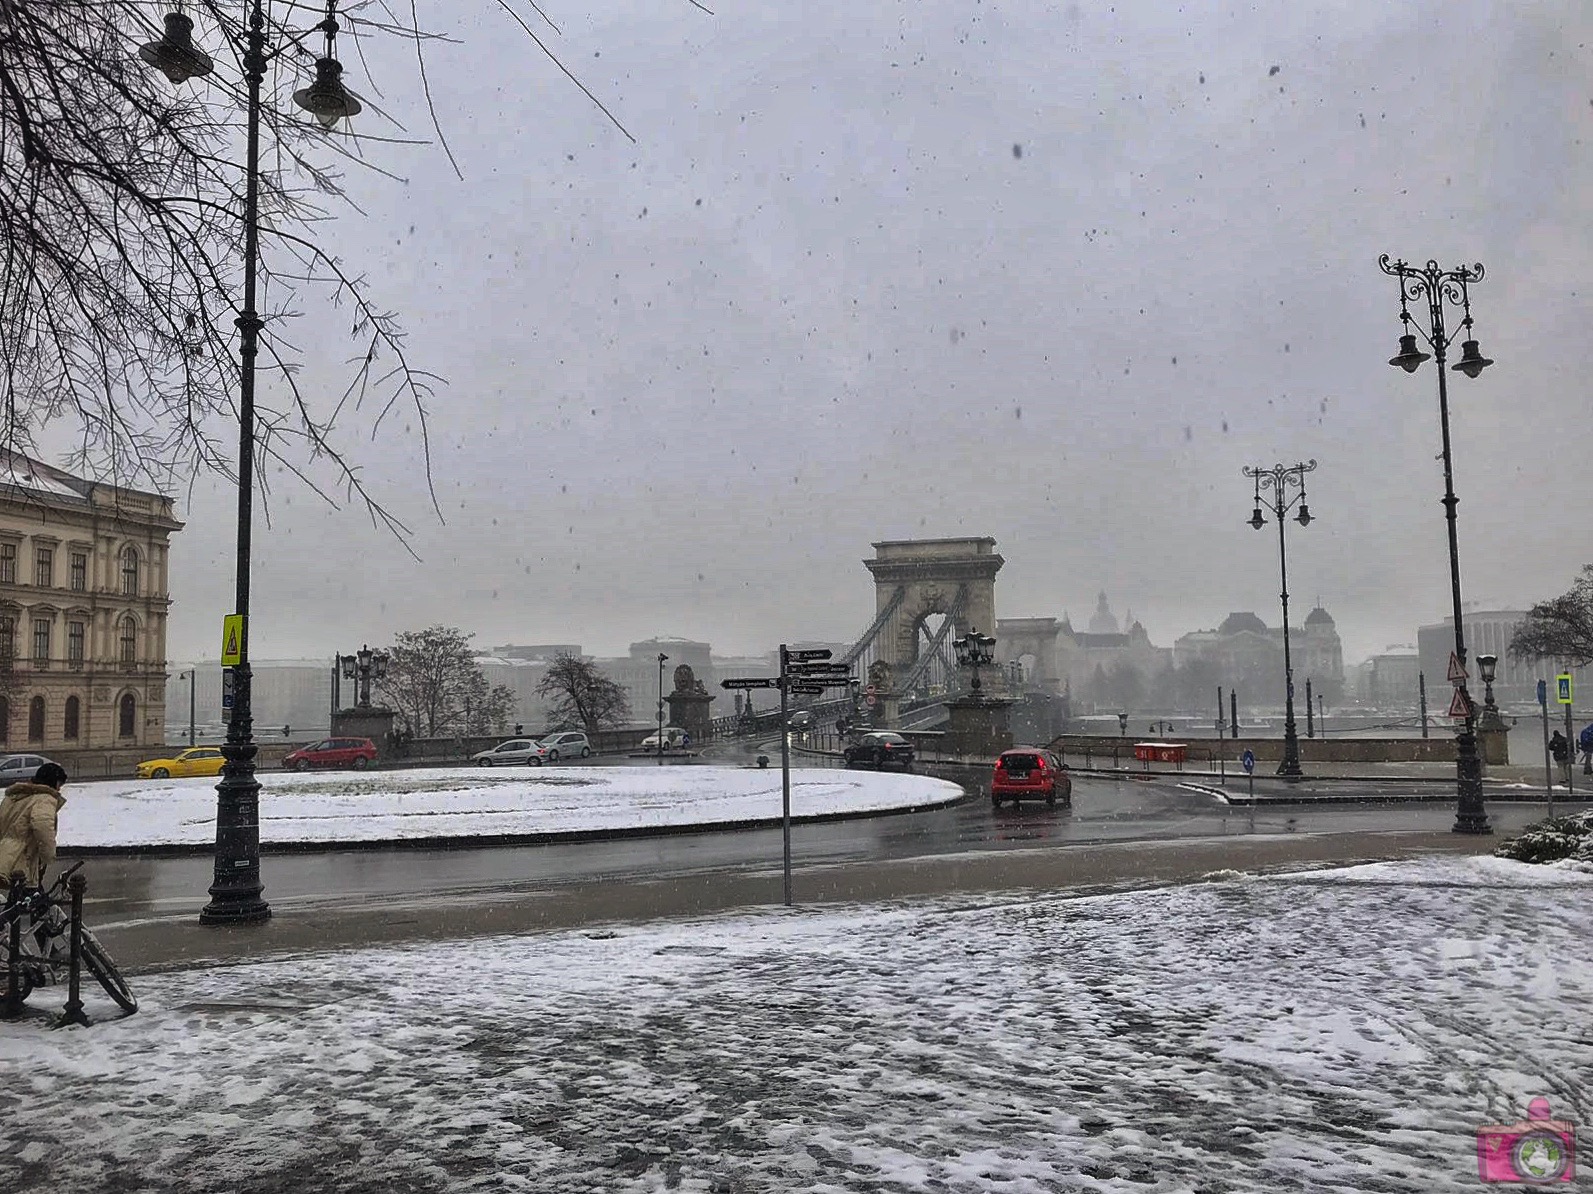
1237, 623
1319, 617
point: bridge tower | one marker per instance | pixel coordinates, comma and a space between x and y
915, 579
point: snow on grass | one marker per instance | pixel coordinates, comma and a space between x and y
1340, 1033
351, 806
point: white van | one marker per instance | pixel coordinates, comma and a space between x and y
674, 739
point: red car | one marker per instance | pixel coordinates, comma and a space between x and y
1027, 771
333, 752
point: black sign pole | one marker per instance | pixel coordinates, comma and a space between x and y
785, 771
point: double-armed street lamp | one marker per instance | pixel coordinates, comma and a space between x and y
1279, 481
363, 667
1442, 289
974, 650
236, 892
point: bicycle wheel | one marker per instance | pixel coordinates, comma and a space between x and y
102, 968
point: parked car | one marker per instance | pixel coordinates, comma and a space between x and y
674, 738
197, 760
1027, 771
16, 768
880, 749
567, 744
333, 752
516, 750
802, 721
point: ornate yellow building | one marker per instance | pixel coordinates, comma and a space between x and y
83, 606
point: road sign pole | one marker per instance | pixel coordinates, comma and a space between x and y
1222, 753
1252, 776
1570, 755
785, 772
1548, 768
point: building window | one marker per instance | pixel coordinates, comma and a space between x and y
129, 571
127, 632
74, 642
5, 720
79, 572
8, 563
124, 716
8, 637
41, 640
73, 708
44, 567
36, 719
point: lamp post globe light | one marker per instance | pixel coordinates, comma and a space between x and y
1278, 482
1442, 289
974, 650
236, 894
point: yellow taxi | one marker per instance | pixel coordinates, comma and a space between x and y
200, 760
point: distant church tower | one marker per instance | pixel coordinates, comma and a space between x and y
1103, 621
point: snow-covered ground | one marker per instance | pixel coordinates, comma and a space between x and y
1325, 1031
363, 806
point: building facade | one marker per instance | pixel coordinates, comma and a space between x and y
1489, 632
83, 609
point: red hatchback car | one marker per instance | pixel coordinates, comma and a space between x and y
1027, 771
332, 752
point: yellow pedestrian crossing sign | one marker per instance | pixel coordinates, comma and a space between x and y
1563, 686
231, 640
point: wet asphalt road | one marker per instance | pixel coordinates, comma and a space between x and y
1104, 811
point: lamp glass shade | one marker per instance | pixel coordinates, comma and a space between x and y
1488, 665
1471, 362
1409, 357
175, 54
1257, 520
1304, 516
327, 99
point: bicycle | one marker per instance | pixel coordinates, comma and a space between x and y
46, 943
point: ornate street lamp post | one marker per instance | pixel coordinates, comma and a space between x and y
363, 667
236, 892
662, 660
1488, 668
1447, 288
974, 650
1279, 480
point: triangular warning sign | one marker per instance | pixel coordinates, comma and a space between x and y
1457, 670
1460, 706
232, 641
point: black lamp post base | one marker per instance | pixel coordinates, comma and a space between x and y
1471, 815
241, 911
1290, 769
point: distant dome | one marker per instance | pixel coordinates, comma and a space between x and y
1240, 622
1319, 617
1103, 621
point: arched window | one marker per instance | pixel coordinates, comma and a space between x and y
125, 711
73, 710
129, 571
36, 719
127, 633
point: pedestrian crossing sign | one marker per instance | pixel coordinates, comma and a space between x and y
1563, 686
232, 640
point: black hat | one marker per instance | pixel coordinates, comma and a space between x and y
51, 775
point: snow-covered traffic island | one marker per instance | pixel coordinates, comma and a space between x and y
490, 804
1343, 1030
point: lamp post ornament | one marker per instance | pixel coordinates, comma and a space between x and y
1274, 485
1447, 289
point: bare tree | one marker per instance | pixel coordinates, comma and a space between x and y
582, 695
435, 685
121, 228
1561, 627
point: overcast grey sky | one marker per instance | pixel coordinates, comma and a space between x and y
1047, 272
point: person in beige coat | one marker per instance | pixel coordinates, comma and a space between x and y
27, 825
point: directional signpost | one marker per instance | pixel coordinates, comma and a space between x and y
805, 672
1548, 770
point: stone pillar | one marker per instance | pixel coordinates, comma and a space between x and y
689, 711
979, 726
1493, 742
372, 723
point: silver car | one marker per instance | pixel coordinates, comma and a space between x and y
16, 768
516, 750
567, 745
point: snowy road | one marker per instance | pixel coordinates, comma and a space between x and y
1325, 1031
